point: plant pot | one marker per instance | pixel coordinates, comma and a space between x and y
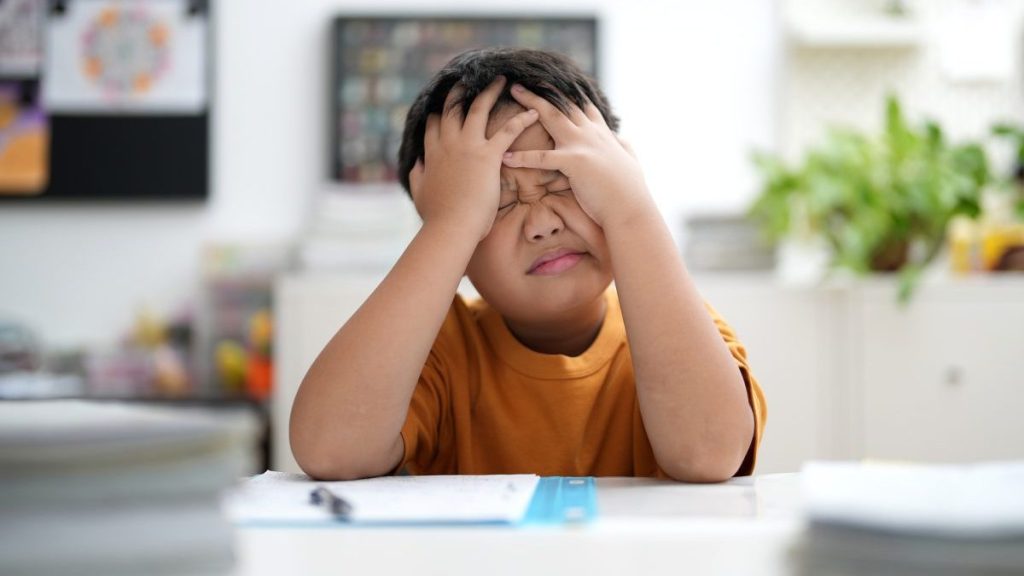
890, 256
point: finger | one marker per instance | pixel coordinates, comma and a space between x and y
454, 95
480, 110
512, 128
550, 116
593, 113
451, 114
541, 159
576, 114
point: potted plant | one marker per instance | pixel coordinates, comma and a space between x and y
1015, 134
881, 202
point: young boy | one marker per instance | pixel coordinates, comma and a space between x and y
513, 163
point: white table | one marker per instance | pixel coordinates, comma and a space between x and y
746, 526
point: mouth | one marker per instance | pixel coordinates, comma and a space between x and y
555, 262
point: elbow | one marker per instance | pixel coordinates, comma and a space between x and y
323, 463
317, 451
323, 456
710, 462
701, 471
330, 471
317, 458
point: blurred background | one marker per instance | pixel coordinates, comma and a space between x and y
195, 195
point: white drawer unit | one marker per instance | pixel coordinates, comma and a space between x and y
943, 379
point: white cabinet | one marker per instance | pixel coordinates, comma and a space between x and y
943, 378
308, 310
847, 372
793, 340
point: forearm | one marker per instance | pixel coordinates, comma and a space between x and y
692, 396
351, 405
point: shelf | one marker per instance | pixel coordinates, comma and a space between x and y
863, 33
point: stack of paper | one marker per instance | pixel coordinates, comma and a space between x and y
907, 519
276, 498
104, 488
367, 228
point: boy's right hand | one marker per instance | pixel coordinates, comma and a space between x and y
457, 183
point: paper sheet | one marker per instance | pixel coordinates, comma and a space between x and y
282, 498
965, 500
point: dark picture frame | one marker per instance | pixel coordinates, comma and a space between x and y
380, 63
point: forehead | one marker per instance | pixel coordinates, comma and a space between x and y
535, 137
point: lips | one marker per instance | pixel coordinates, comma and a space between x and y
555, 262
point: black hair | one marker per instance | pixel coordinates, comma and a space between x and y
550, 75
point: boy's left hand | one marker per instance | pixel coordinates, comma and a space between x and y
602, 171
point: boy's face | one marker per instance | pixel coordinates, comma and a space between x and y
544, 257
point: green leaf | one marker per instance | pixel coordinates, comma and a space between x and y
909, 277
862, 192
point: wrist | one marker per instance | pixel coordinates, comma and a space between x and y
636, 211
454, 231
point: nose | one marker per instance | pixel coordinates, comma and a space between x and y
541, 222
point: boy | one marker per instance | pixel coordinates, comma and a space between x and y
511, 159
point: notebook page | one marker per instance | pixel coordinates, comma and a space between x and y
968, 500
278, 497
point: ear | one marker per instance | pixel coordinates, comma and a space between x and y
415, 182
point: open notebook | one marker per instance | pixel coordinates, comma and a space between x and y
278, 498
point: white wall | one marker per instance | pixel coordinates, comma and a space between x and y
692, 81
826, 85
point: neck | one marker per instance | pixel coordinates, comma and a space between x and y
570, 334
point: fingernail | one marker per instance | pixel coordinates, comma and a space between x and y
517, 88
506, 155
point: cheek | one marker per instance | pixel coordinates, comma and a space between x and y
488, 254
575, 218
583, 226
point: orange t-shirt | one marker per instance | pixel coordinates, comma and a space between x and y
486, 404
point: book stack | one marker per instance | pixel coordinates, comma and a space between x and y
365, 228
107, 488
911, 519
725, 242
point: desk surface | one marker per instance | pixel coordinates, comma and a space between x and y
744, 526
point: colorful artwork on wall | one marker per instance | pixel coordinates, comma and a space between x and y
24, 140
104, 100
381, 63
125, 56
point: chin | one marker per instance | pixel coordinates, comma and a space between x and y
543, 304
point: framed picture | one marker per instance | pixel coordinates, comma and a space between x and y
104, 100
381, 63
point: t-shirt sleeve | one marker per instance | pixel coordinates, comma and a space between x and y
428, 421
754, 393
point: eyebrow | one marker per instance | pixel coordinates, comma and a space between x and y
548, 177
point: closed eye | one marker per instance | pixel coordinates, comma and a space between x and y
559, 184
507, 206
